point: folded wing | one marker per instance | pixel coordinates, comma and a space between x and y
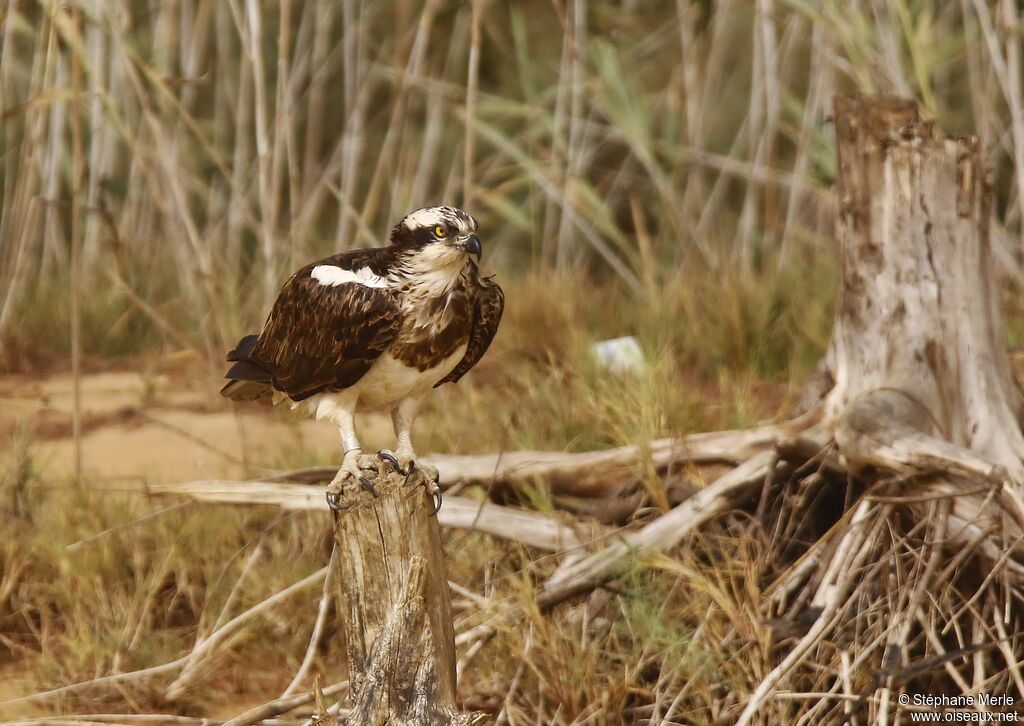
318, 337
487, 310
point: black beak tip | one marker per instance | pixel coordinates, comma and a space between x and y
473, 246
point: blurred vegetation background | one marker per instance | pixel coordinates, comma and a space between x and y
658, 169
169, 162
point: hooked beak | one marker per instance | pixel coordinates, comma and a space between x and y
472, 246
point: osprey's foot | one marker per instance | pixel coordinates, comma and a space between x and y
390, 457
414, 472
434, 490
354, 470
429, 477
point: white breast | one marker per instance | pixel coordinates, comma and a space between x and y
389, 380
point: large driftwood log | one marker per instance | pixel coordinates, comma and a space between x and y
543, 531
590, 473
394, 606
664, 532
605, 485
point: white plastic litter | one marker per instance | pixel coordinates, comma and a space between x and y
620, 355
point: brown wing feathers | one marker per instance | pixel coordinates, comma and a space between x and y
487, 310
316, 338
325, 338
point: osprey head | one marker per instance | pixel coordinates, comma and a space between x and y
442, 235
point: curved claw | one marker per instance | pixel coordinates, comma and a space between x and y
368, 486
332, 503
437, 501
385, 456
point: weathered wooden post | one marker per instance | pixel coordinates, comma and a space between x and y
394, 605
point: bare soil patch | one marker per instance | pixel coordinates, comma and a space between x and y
157, 427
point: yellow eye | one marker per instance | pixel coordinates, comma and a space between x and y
440, 232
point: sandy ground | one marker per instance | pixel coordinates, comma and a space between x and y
159, 427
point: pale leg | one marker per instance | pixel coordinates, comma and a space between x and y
402, 417
349, 443
404, 456
341, 410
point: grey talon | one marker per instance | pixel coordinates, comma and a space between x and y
385, 456
437, 501
368, 486
331, 503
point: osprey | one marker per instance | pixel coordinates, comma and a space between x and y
375, 329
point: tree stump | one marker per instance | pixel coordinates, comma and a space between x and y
923, 410
921, 377
394, 605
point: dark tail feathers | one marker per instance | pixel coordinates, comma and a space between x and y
244, 348
249, 380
